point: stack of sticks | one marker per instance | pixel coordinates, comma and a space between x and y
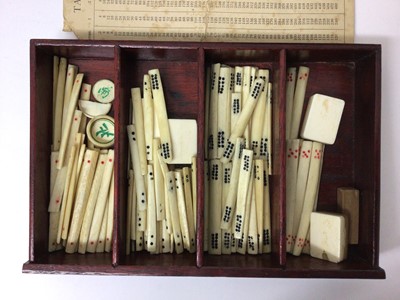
303, 166
81, 180
238, 149
161, 210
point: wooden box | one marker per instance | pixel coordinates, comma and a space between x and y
349, 72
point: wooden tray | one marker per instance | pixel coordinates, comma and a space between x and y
349, 72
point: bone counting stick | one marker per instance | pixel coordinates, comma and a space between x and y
244, 118
161, 114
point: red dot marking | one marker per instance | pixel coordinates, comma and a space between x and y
288, 156
85, 90
91, 243
56, 161
102, 162
58, 200
88, 161
71, 243
295, 156
77, 81
69, 74
75, 119
110, 160
100, 242
108, 239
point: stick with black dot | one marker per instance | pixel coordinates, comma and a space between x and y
161, 114
139, 180
243, 120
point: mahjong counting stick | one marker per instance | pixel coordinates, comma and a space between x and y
83, 189
189, 207
309, 197
230, 202
72, 70
69, 119
161, 114
214, 243
139, 124
110, 216
158, 182
58, 105
298, 101
213, 113
258, 115
139, 180
246, 166
148, 114
290, 86
91, 203
223, 118
151, 212
102, 200
243, 119
183, 219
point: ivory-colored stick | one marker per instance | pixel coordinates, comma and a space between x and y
223, 118
53, 169
139, 242
165, 241
70, 192
56, 64
243, 120
230, 202
148, 114
213, 115
259, 198
207, 112
252, 236
189, 207
292, 161
183, 217
257, 120
310, 196
82, 151
83, 189
69, 119
57, 193
266, 233
167, 208
298, 101
100, 245
301, 183
110, 217
290, 86
161, 114
133, 209
159, 185
72, 70
57, 110
53, 230
236, 108
215, 207
85, 95
238, 79
206, 205
129, 213
139, 125
246, 166
226, 186
65, 211
264, 142
102, 199
173, 203
139, 180
91, 203
243, 240
194, 190
268, 119
151, 212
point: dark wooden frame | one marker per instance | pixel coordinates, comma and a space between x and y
351, 72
